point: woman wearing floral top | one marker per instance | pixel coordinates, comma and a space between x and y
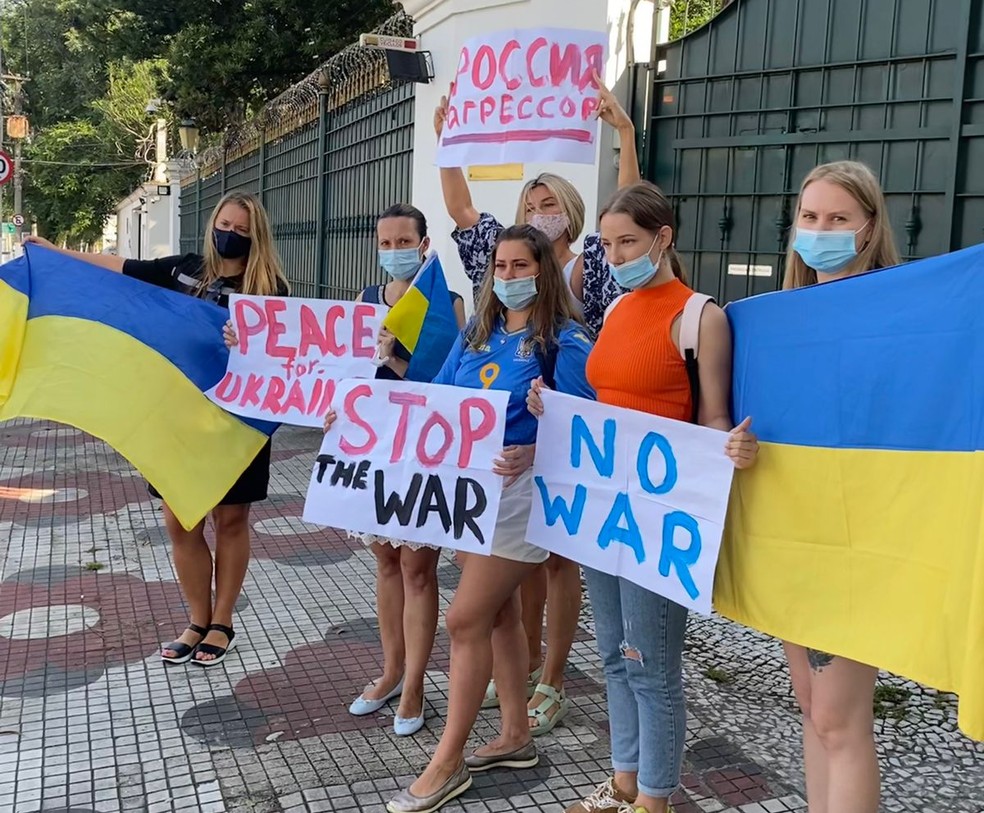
552, 205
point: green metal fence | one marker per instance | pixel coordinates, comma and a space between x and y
344, 155
737, 113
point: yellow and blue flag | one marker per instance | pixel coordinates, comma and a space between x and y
424, 321
860, 531
129, 363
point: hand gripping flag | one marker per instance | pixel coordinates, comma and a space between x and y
425, 322
129, 363
860, 531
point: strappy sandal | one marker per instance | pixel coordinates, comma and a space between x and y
219, 652
184, 651
491, 699
552, 699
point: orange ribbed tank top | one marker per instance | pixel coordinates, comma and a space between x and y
635, 363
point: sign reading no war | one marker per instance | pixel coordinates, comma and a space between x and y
631, 494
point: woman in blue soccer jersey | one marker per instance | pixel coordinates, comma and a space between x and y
553, 205
406, 572
523, 322
239, 256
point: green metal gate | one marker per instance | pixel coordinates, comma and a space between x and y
738, 112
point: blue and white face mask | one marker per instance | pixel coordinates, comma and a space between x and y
636, 273
400, 263
515, 294
827, 252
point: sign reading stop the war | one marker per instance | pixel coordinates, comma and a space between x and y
6, 168
411, 461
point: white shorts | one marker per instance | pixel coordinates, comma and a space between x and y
509, 541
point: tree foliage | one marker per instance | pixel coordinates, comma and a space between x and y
689, 15
95, 64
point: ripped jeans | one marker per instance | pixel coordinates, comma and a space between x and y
640, 639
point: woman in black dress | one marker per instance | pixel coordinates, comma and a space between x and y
238, 257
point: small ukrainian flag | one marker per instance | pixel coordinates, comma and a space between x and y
424, 321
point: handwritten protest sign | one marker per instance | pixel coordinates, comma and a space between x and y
524, 95
291, 354
411, 461
632, 495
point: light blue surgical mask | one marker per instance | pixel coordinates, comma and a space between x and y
400, 263
636, 273
515, 294
826, 251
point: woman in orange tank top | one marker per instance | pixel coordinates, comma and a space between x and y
636, 363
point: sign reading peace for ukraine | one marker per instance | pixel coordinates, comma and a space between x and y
631, 494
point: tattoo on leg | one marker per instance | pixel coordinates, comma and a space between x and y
818, 660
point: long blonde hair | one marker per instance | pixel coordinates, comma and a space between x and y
570, 201
264, 274
551, 309
861, 184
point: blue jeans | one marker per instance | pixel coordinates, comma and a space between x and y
640, 638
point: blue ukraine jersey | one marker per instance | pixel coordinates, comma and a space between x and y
507, 362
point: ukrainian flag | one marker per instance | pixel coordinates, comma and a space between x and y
425, 322
129, 363
860, 531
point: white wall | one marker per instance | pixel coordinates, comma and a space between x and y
443, 26
152, 228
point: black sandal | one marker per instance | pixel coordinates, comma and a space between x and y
218, 651
185, 651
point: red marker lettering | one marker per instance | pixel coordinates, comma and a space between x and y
251, 392
243, 328
361, 391
484, 58
523, 108
363, 341
566, 65
312, 334
295, 398
488, 108
405, 400
512, 83
541, 107
538, 44
506, 114
436, 419
470, 434
276, 391
232, 382
275, 329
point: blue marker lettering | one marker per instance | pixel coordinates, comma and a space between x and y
558, 509
612, 531
680, 559
642, 464
604, 463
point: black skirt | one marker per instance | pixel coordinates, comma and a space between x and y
251, 485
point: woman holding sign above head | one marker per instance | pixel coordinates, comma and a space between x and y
523, 328
641, 361
842, 229
238, 257
406, 573
552, 205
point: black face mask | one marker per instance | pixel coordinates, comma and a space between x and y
231, 246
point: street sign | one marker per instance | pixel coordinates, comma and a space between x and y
18, 220
6, 168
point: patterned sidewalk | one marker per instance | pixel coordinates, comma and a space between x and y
92, 722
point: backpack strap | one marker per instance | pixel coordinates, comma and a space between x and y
689, 345
611, 307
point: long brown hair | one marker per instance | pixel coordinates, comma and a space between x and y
552, 308
861, 184
649, 209
264, 274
